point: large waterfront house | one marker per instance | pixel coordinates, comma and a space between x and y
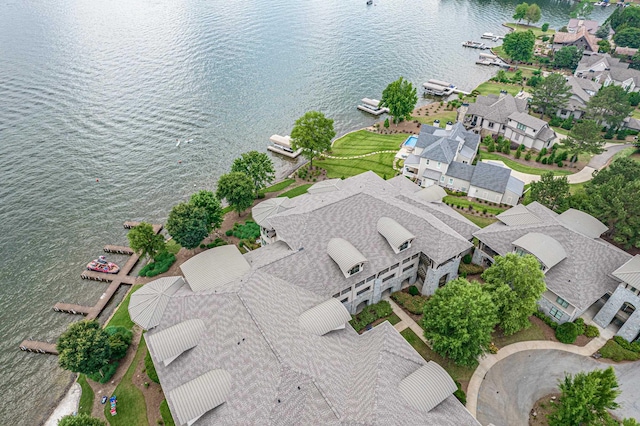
263, 338
576, 24
489, 115
606, 70
530, 131
582, 90
582, 271
581, 39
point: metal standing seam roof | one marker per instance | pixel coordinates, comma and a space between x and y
431, 194
582, 222
214, 268
344, 254
394, 233
427, 387
629, 272
518, 215
328, 185
325, 317
147, 305
545, 248
261, 212
194, 398
171, 342
281, 140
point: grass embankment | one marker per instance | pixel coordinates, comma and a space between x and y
166, 414
121, 316
480, 221
443, 116
460, 201
131, 406
298, 190
537, 31
86, 400
535, 332
278, 186
494, 88
532, 170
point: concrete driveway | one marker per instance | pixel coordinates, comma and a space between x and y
512, 386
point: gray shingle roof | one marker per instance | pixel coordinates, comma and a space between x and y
394, 233
171, 342
497, 109
344, 254
430, 194
439, 144
460, 171
528, 120
412, 159
518, 215
491, 177
515, 185
262, 211
325, 186
432, 174
147, 305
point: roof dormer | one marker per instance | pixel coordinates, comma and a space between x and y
349, 259
546, 249
398, 237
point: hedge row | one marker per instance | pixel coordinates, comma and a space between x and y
413, 304
370, 314
160, 265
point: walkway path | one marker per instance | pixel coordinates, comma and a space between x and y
360, 156
406, 321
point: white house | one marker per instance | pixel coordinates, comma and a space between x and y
529, 131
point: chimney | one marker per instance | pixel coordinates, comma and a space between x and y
462, 111
449, 125
436, 123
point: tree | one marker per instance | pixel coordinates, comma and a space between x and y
567, 57
550, 95
610, 106
119, 340
551, 192
603, 31
584, 137
628, 37
635, 61
604, 46
188, 224
211, 205
237, 188
458, 321
585, 399
84, 348
80, 420
545, 27
401, 98
622, 18
533, 14
521, 11
515, 284
519, 45
258, 166
582, 10
313, 133
144, 241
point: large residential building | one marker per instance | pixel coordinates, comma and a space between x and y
606, 70
490, 114
582, 90
581, 39
263, 339
582, 271
530, 131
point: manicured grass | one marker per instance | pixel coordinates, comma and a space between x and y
624, 153
278, 186
560, 130
121, 316
131, 406
476, 206
393, 319
575, 187
298, 190
365, 142
444, 116
173, 246
537, 31
635, 113
458, 372
480, 221
614, 351
166, 414
86, 400
494, 88
535, 332
521, 167
382, 164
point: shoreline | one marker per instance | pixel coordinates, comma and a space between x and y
69, 404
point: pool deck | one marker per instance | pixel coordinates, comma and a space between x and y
406, 150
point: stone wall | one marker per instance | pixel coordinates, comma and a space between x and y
631, 327
433, 276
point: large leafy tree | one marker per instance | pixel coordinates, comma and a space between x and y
188, 224
313, 133
258, 166
80, 420
551, 94
567, 57
515, 284
211, 205
237, 188
533, 14
585, 399
610, 106
144, 241
603, 31
401, 98
519, 45
584, 137
628, 37
622, 18
551, 192
84, 348
521, 11
458, 321
613, 197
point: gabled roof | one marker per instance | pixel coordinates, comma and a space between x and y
170, 342
147, 305
590, 25
515, 185
196, 397
412, 159
344, 254
582, 222
629, 272
394, 233
545, 248
328, 185
518, 215
442, 145
262, 211
214, 268
491, 177
427, 387
325, 317
528, 120
460, 171
497, 108
568, 38
431, 194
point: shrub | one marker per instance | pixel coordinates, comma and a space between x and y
633, 347
592, 331
466, 259
545, 38
580, 325
614, 351
622, 134
386, 123
107, 373
567, 332
203, 246
563, 155
162, 263
249, 230
609, 134
568, 123
413, 290
229, 232
217, 243
491, 147
506, 149
543, 151
484, 211
527, 156
470, 269
261, 195
413, 304
370, 314
150, 369
555, 121
538, 158
518, 152
551, 323
545, 160
559, 163
460, 394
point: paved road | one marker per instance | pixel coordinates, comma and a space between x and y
601, 160
512, 386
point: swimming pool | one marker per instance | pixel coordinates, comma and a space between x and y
411, 141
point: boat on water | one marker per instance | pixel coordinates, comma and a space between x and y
369, 2
475, 45
101, 265
372, 106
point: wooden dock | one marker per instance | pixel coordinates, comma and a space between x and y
129, 225
70, 308
38, 347
118, 249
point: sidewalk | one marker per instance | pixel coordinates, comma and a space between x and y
407, 322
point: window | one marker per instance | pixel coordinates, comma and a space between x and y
371, 278
364, 290
441, 178
360, 284
463, 189
415, 255
395, 266
560, 301
354, 270
556, 313
404, 246
384, 271
522, 127
509, 200
336, 295
407, 260
450, 181
408, 267
490, 125
345, 291
388, 278
427, 161
439, 164
345, 300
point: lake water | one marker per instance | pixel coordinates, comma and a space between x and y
101, 91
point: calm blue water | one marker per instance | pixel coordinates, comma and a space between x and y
101, 90
411, 141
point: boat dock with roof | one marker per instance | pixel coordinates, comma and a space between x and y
372, 106
475, 45
490, 59
438, 88
282, 145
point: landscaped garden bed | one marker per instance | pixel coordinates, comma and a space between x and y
411, 301
618, 349
373, 315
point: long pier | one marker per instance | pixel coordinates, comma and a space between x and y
92, 312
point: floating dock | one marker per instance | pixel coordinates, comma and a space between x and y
38, 347
475, 45
282, 145
118, 249
372, 106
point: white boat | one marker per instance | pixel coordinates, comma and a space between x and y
489, 36
282, 145
372, 106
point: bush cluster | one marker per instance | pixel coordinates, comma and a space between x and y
413, 304
150, 369
370, 314
247, 231
215, 243
413, 290
160, 265
466, 259
592, 331
470, 269
107, 373
567, 332
551, 323
460, 394
616, 352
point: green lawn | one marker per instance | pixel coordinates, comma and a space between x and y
480, 221
537, 31
494, 88
635, 113
443, 116
627, 152
278, 186
458, 372
560, 130
575, 187
535, 332
166, 414
382, 164
521, 167
393, 319
476, 206
298, 190
86, 400
131, 406
365, 142
121, 316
